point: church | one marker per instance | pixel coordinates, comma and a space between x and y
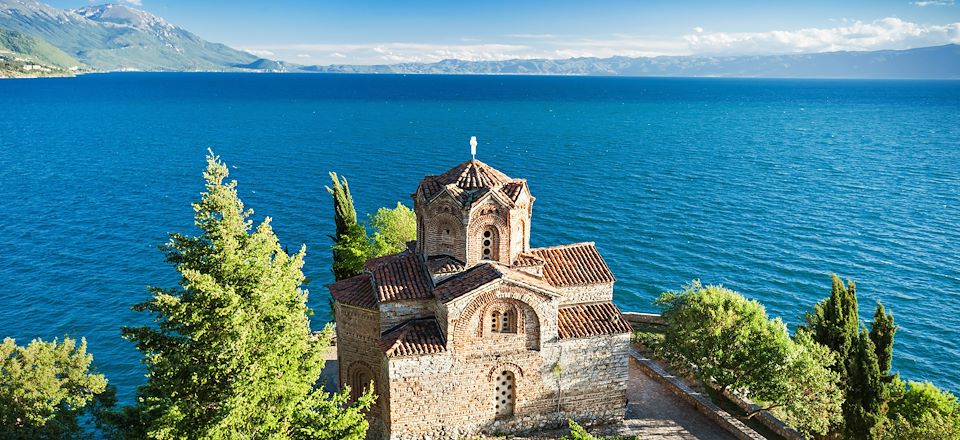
470, 330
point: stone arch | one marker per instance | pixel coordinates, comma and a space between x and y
501, 315
497, 225
359, 375
469, 327
445, 235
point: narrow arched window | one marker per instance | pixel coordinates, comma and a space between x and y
504, 394
503, 320
489, 244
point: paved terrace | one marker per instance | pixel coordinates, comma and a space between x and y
653, 412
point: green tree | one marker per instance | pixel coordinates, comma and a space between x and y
882, 330
728, 340
835, 324
351, 245
44, 387
863, 359
394, 228
232, 354
865, 405
924, 412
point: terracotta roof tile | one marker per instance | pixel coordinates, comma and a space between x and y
574, 265
513, 188
525, 259
355, 291
416, 337
583, 320
398, 277
444, 264
470, 180
464, 283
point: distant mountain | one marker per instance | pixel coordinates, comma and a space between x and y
939, 62
118, 37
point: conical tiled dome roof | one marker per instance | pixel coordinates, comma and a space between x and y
470, 179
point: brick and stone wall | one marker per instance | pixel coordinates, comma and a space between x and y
395, 313
587, 294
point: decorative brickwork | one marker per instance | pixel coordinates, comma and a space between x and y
471, 331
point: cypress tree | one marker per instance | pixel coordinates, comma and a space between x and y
834, 323
865, 406
350, 249
344, 214
232, 355
882, 330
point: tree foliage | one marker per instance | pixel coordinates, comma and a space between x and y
924, 412
863, 359
350, 241
882, 330
393, 229
352, 245
728, 340
232, 354
44, 387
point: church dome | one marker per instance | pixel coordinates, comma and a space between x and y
469, 180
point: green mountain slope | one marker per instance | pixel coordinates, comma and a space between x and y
34, 49
119, 37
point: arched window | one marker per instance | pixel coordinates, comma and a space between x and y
503, 320
504, 394
489, 244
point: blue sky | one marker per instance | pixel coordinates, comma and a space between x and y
372, 32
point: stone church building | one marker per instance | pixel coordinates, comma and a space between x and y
470, 330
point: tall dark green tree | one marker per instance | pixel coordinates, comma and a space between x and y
882, 330
865, 406
835, 324
863, 358
232, 355
351, 244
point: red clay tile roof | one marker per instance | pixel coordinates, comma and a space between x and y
398, 277
574, 265
470, 180
444, 264
355, 291
583, 320
525, 259
464, 283
416, 337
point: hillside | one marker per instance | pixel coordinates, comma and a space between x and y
118, 37
22, 55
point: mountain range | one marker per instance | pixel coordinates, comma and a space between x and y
118, 37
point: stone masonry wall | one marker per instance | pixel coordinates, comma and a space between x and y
397, 312
360, 360
587, 294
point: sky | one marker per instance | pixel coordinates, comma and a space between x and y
389, 31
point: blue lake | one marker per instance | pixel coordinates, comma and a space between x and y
765, 186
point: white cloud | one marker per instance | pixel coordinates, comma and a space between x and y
886, 33
259, 52
933, 3
304, 55
134, 2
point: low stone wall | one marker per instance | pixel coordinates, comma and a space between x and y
697, 400
764, 417
644, 318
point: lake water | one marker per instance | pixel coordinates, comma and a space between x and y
765, 186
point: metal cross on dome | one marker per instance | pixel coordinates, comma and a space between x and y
473, 147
